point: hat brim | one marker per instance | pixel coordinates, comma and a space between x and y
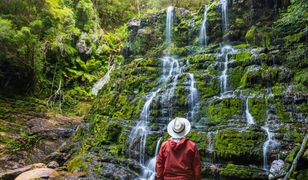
181, 134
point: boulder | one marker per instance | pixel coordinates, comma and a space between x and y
11, 174
53, 164
38, 173
276, 169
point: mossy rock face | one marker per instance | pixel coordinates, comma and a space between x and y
258, 108
234, 77
221, 110
259, 36
236, 146
241, 172
243, 55
256, 76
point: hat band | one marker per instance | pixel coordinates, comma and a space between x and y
179, 130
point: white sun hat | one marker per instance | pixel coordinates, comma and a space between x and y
178, 127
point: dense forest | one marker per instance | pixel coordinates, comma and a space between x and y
87, 87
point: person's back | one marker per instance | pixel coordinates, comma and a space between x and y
178, 158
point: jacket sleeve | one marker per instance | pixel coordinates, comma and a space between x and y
160, 163
197, 164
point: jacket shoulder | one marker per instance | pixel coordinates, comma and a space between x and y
192, 144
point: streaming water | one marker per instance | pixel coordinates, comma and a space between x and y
226, 51
169, 23
202, 34
249, 118
269, 143
141, 130
149, 171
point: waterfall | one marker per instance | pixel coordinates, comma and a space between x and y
225, 52
270, 142
101, 82
149, 171
169, 22
210, 147
193, 94
202, 34
171, 67
141, 130
249, 117
171, 72
224, 13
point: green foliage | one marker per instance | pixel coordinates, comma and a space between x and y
293, 23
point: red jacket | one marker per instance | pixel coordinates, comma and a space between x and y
178, 161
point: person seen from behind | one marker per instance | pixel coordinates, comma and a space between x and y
178, 157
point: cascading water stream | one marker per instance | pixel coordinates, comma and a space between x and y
141, 130
249, 118
224, 13
225, 52
169, 23
149, 171
171, 71
193, 95
202, 34
269, 143
210, 147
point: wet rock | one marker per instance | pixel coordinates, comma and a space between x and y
53, 164
38, 173
59, 157
11, 174
276, 169
134, 24
183, 11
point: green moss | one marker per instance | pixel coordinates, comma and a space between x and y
258, 108
241, 46
201, 58
301, 78
292, 154
278, 90
77, 163
303, 107
224, 109
281, 111
232, 144
259, 35
243, 56
199, 139
295, 136
239, 21
240, 172
263, 76
234, 77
